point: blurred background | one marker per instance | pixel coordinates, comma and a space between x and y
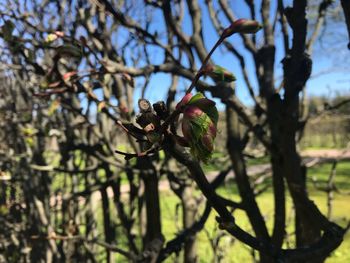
71, 75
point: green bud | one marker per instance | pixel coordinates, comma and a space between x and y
218, 73
200, 118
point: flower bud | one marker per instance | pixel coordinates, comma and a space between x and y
208, 142
200, 118
184, 100
244, 26
218, 73
192, 112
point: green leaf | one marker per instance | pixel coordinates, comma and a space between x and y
200, 126
213, 114
196, 97
219, 73
208, 106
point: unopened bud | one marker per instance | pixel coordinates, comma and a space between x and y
200, 118
218, 73
192, 112
244, 26
184, 100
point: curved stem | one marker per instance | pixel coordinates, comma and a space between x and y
205, 62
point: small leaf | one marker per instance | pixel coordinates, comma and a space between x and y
196, 97
221, 74
218, 73
198, 100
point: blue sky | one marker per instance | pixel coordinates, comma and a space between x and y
330, 70
330, 57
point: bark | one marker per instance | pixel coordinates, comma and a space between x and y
153, 236
189, 205
235, 148
108, 231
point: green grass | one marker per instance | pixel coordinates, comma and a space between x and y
219, 161
235, 251
314, 140
258, 160
231, 249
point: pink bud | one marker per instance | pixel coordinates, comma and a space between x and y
184, 100
212, 130
186, 130
207, 141
192, 112
209, 137
244, 26
199, 122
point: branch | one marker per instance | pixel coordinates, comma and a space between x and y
230, 47
110, 247
175, 245
284, 26
320, 21
346, 9
268, 31
253, 125
226, 220
229, 15
129, 23
184, 40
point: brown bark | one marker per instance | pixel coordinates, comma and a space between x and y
235, 147
189, 205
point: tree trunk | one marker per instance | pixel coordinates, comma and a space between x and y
153, 238
235, 147
189, 205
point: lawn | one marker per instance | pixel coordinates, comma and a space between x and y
235, 251
232, 250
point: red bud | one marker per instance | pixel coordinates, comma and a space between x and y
184, 100
186, 129
207, 141
244, 26
192, 112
